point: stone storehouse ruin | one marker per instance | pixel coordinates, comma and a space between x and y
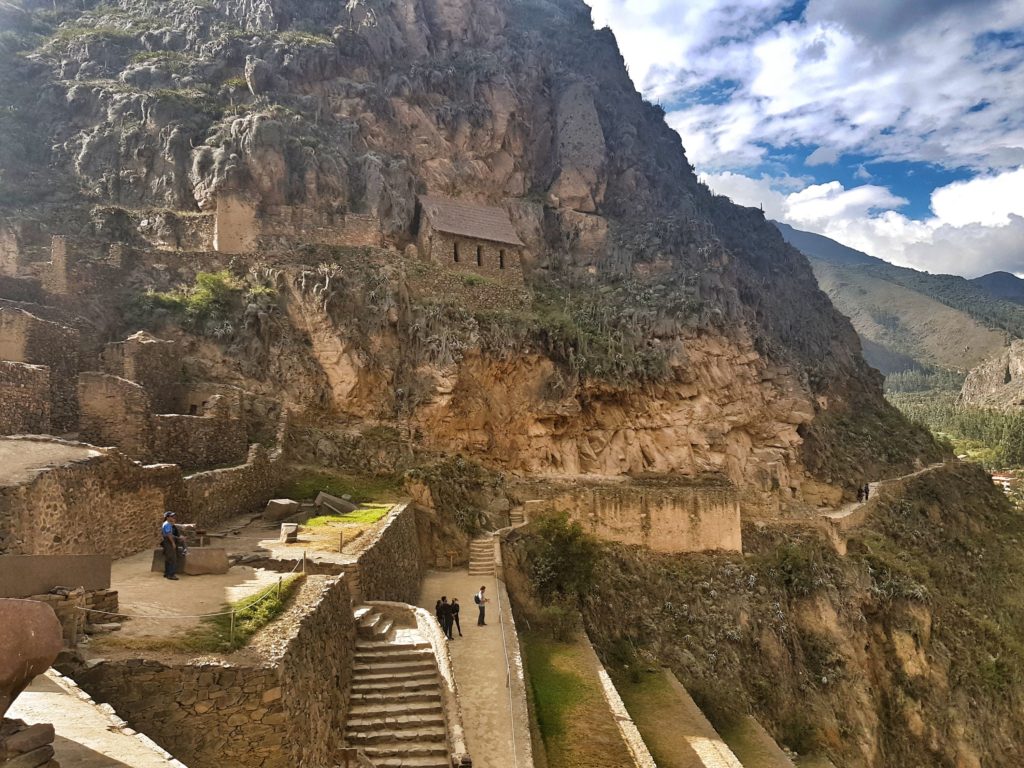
471, 237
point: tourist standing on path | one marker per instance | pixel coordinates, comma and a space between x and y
169, 539
455, 615
867, 491
446, 617
437, 612
481, 601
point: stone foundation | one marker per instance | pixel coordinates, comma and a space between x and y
115, 411
210, 498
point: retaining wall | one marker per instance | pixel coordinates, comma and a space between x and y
210, 498
390, 567
284, 710
115, 411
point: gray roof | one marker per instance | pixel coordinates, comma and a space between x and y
479, 222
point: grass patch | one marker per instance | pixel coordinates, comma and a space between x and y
658, 712
214, 634
575, 723
307, 483
367, 514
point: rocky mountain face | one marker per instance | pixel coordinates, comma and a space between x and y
664, 329
998, 382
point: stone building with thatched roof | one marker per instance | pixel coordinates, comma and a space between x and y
470, 237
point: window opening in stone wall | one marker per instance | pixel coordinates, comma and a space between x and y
501, 258
455, 252
479, 255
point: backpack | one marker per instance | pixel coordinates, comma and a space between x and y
476, 598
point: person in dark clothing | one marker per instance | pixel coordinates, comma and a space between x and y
437, 612
860, 493
867, 491
455, 615
446, 617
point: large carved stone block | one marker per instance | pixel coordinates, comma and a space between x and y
30, 637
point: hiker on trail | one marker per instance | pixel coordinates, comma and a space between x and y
170, 540
481, 601
455, 615
867, 491
437, 612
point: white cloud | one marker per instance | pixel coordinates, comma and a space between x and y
896, 81
974, 229
988, 200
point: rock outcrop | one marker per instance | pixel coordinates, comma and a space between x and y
997, 382
31, 638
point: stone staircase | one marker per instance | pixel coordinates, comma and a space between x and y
481, 556
516, 516
396, 715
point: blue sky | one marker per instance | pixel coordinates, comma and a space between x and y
894, 126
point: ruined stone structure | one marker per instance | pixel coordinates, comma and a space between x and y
58, 497
663, 515
152, 363
284, 708
115, 411
24, 398
470, 237
25, 338
241, 226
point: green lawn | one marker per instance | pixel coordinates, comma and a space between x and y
574, 720
365, 515
306, 483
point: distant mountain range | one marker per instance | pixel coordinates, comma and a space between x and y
909, 319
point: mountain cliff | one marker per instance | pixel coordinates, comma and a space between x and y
660, 328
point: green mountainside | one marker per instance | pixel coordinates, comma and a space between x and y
912, 320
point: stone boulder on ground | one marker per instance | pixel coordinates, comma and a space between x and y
30, 637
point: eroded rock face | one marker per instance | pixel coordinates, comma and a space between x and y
997, 383
30, 636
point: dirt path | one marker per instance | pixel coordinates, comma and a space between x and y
86, 736
142, 592
478, 659
848, 510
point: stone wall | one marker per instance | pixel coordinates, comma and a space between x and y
25, 575
115, 411
390, 566
284, 709
493, 260
198, 441
283, 223
210, 498
24, 398
663, 517
100, 503
25, 338
154, 364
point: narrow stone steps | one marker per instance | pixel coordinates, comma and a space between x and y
399, 668
365, 672
410, 654
395, 697
396, 723
388, 708
368, 646
426, 761
436, 734
363, 685
388, 749
365, 675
